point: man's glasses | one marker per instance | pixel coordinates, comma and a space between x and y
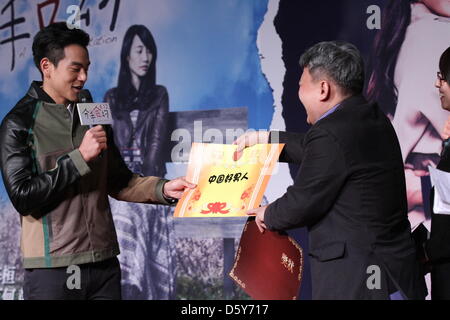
440, 76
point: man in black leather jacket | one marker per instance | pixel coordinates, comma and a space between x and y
58, 183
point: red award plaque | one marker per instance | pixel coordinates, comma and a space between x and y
269, 265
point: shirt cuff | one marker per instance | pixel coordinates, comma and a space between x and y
160, 193
277, 136
79, 162
274, 137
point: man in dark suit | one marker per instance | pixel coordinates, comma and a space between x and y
350, 190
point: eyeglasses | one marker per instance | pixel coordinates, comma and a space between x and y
440, 76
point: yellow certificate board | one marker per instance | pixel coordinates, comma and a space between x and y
226, 188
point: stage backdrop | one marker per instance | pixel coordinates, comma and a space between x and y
226, 64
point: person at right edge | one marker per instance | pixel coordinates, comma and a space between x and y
350, 190
438, 246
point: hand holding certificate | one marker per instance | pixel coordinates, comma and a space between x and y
225, 187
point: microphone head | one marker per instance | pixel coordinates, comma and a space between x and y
84, 96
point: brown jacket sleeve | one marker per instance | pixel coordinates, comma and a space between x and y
127, 186
143, 190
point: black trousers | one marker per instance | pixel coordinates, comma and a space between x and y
440, 281
91, 281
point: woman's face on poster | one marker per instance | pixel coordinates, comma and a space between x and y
139, 58
440, 7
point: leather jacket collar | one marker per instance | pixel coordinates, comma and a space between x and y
36, 91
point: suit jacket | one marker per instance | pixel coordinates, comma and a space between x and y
350, 193
438, 246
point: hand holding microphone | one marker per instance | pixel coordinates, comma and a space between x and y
94, 115
94, 142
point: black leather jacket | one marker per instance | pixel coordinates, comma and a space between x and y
63, 200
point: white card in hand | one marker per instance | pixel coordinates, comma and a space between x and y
441, 182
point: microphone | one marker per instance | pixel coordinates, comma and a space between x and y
92, 114
84, 96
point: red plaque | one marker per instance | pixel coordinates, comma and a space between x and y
269, 265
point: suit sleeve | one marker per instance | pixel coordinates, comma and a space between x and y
438, 246
293, 150
29, 190
321, 176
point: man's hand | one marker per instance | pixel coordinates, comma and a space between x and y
175, 188
249, 139
446, 131
259, 219
94, 141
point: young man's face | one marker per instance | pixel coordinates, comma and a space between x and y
64, 82
444, 92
